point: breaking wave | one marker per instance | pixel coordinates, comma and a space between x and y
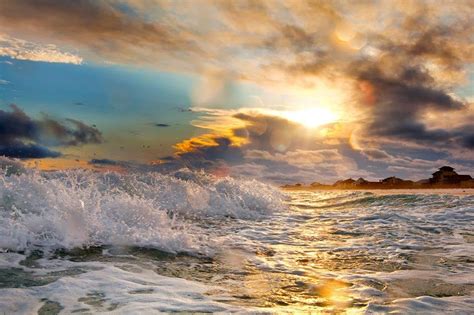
78, 208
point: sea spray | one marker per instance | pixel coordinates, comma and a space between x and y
77, 208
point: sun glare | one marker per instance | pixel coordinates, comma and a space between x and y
313, 117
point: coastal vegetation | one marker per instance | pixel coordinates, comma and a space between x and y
445, 177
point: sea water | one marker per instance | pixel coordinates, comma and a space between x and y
88, 242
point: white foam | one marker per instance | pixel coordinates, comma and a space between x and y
425, 305
117, 289
83, 208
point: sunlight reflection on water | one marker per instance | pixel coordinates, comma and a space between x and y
358, 252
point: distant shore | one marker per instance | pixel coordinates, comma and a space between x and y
394, 191
445, 178
328, 187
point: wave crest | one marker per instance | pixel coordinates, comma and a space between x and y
77, 208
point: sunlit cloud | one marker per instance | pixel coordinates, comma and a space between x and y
23, 50
375, 82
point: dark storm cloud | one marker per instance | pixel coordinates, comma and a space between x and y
447, 39
468, 141
400, 87
103, 162
17, 149
106, 163
162, 125
16, 124
24, 137
78, 133
465, 136
400, 101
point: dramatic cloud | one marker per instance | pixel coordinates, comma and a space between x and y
263, 146
395, 69
20, 150
398, 101
24, 137
275, 149
100, 28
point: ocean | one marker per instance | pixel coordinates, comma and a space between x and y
86, 242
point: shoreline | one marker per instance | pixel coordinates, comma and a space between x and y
392, 191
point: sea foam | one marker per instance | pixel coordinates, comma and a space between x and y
77, 208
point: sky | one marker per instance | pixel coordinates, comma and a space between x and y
281, 91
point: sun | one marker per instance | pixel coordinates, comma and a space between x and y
312, 117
